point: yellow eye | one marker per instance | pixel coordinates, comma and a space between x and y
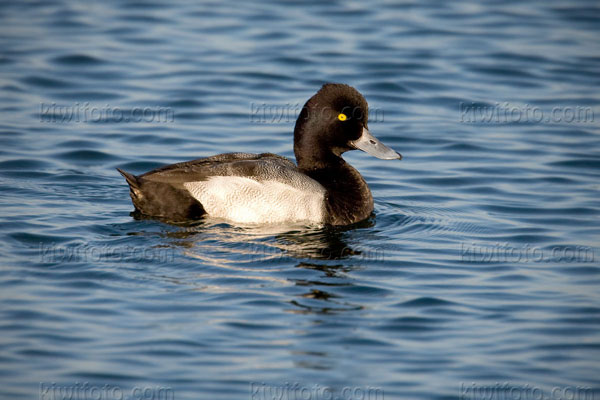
342, 117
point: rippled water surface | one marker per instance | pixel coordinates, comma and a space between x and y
479, 268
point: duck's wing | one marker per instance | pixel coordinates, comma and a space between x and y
257, 166
242, 187
248, 188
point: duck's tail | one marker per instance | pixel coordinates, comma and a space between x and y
134, 188
160, 199
130, 178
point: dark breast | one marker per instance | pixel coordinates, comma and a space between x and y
349, 199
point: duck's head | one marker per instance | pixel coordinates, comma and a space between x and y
333, 121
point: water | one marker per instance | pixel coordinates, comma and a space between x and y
479, 270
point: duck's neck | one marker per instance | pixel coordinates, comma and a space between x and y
349, 199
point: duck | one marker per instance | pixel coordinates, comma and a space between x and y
320, 188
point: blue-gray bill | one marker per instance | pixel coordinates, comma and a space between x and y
371, 145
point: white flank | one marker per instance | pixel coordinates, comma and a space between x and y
246, 200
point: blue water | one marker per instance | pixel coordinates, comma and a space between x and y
479, 269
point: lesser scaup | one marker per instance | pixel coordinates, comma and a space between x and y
267, 188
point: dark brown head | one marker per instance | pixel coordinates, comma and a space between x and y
333, 121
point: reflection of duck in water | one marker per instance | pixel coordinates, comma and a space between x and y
256, 243
324, 244
321, 297
267, 188
261, 253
